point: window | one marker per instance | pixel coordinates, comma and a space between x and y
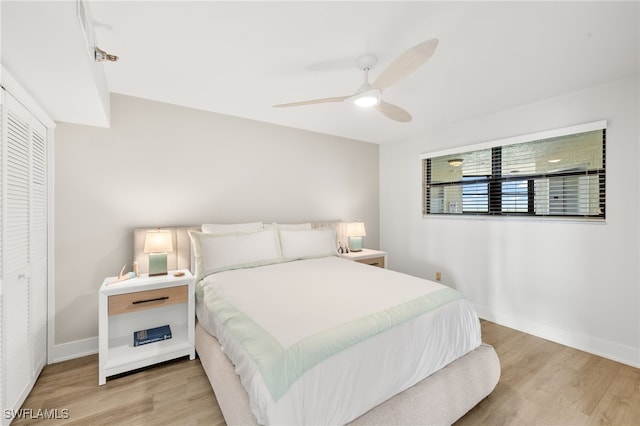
515, 196
552, 174
475, 194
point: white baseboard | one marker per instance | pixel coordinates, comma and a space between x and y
595, 345
76, 349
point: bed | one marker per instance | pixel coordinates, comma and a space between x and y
290, 333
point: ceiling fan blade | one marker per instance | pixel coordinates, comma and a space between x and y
406, 63
313, 101
393, 112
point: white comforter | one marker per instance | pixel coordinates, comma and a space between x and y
293, 308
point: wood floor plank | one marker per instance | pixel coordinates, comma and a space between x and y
542, 383
171, 393
621, 404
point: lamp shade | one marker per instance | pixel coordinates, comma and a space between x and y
158, 241
356, 229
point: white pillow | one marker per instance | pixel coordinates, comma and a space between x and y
294, 226
230, 228
216, 253
308, 244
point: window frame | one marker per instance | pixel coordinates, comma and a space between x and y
495, 181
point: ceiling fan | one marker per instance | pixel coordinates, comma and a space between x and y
370, 95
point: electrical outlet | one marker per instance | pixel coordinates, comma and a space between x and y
438, 276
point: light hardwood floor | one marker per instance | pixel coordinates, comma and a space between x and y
542, 383
545, 383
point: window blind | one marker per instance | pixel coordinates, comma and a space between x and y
557, 176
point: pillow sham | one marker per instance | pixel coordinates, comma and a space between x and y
229, 228
216, 253
307, 244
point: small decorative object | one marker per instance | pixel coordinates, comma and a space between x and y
178, 274
123, 276
135, 268
355, 232
157, 243
340, 249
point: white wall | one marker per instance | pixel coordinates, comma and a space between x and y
163, 165
576, 283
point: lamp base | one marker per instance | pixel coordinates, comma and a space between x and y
355, 243
157, 264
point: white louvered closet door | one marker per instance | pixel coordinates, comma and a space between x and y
24, 258
38, 248
3, 125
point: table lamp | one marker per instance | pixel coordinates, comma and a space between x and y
355, 232
157, 244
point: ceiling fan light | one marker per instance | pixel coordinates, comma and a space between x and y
456, 162
367, 101
365, 98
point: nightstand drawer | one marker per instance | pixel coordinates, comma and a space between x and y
374, 261
140, 300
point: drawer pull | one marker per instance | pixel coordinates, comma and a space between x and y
375, 264
157, 299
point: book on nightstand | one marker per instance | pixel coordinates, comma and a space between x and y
157, 334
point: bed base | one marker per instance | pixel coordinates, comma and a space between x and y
440, 399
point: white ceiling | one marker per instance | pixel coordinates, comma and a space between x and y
239, 58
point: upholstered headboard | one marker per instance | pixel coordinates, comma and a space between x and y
180, 257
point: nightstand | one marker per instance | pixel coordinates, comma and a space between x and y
368, 256
139, 304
